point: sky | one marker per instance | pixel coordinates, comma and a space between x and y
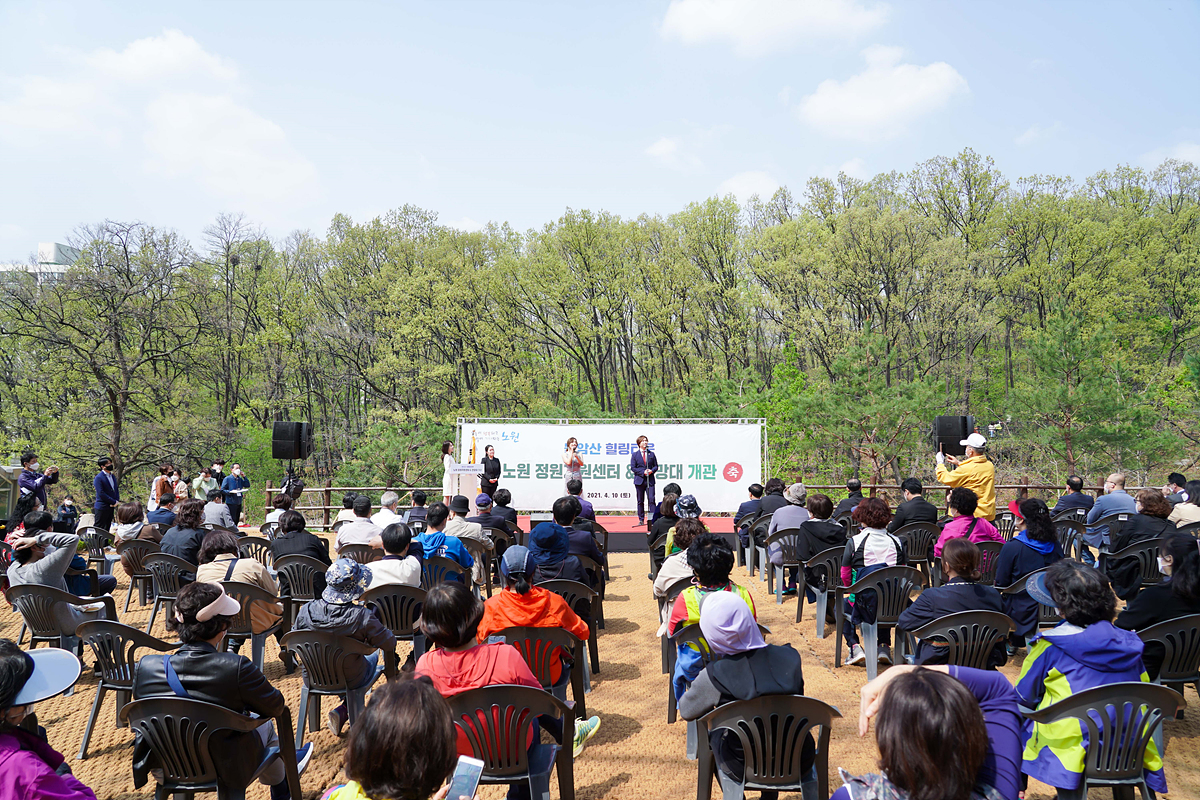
291, 112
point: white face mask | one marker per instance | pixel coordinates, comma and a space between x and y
35, 466
1163, 566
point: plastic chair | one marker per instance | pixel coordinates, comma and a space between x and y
1146, 553
116, 649
668, 599
1180, 637
337, 526
399, 607
756, 554
576, 593
1073, 514
323, 656
436, 569
297, 575
969, 636
831, 562
656, 561
542, 648
772, 730
747, 520
6, 559
362, 553
482, 555
257, 548
418, 526
919, 539
499, 537
1192, 528
178, 732
1119, 719
1113, 521
989, 559
1047, 615
1070, 536
892, 587
133, 556
169, 577
97, 542
240, 627
270, 530
36, 605
496, 721
1006, 524
788, 540
590, 566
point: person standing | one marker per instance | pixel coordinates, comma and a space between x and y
108, 494
974, 472
489, 481
32, 480
643, 465
204, 483
572, 463
447, 475
160, 485
235, 486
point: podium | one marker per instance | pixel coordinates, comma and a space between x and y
464, 480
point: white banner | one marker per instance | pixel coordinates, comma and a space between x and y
715, 462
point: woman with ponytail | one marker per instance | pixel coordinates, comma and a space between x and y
1178, 596
1035, 546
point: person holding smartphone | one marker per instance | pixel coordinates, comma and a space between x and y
32, 480
572, 463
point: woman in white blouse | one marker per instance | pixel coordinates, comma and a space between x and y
572, 463
447, 463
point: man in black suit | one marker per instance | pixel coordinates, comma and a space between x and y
854, 487
748, 510
915, 507
1074, 498
643, 465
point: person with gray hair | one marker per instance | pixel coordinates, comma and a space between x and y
386, 514
791, 516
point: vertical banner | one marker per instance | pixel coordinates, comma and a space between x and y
715, 462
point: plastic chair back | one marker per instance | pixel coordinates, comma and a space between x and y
299, 572
918, 538
573, 592
1180, 637
362, 553
245, 594
989, 559
168, 571
116, 648
542, 648
133, 556
269, 530
1070, 536
323, 655
1073, 514
1006, 524
788, 540
399, 607
258, 548
893, 587
1113, 521
1146, 553
1192, 528
495, 721
96, 540
436, 569
970, 636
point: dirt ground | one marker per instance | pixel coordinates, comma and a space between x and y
635, 754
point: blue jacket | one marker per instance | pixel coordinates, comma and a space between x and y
108, 493
231, 483
748, 507
639, 465
1073, 500
957, 595
436, 543
1118, 501
164, 518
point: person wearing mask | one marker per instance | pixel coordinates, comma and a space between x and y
550, 546
1179, 596
396, 566
458, 527
1074, 498
337, 611
1187, 511
851, 501
401, 746
33, 480
66, 516
216, 512
965, 522
185, 538
164, 516
773, 500
872, 549
418, 510
643, 465
1175, 490
942, 732
108, 494
586, 510
386, 514
361, 530
235, 486
434, 542
711, 560
279, 504
744, 667
204, 483
30, 769
218, 473
1115, 501
1034, 546
915, 507
1084, 651
42, 557
960, 592
973, 472
817, 534
179, 486
489, 479
201, 670
1150, 522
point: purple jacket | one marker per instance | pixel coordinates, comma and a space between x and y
34, 483
27, 770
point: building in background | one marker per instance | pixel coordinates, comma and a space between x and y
53, 260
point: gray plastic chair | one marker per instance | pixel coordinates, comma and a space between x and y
258, 548
668, 599
1146, 552
989, 559
541, 648
362, 553
323, 656
830, 561
1047, 615
576, 593
1119, 720
436, 569
241, 627
133, 556
788, 540
893, 587
1180, 637
919, 539
297, 579
1070, 534
1006, 524
36, 604
399, 607
170, 573
969, 636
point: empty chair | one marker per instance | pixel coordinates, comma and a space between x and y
170, 573
133, 555
989, 560
1006, 523
97, 542
495, 721
269, 529
323, 656
1070, 533
52, 615
300, 578
788, 542
116, 648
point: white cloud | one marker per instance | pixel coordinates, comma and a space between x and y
682, 154
854, 168
1183, 151
745, 185
883, 100
166, 104
760, 27
466, 224
1037, 132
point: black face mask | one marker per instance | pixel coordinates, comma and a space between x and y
108, 467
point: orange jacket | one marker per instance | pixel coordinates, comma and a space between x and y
539, 608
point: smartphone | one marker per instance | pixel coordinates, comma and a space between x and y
465, 779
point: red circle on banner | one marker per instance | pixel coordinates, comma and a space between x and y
732, 472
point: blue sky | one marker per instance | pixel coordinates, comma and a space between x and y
171, 113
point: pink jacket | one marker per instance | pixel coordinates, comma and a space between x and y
27, 770
956, 528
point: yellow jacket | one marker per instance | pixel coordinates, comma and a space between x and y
977, 474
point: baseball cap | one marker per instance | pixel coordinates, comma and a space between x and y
974, 440
516, 559
483, 500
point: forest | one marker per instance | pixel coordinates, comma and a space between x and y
1064, 314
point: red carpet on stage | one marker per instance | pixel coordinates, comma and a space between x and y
626, 536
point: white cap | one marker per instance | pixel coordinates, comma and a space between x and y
975, 440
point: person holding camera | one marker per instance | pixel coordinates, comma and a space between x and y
32, 480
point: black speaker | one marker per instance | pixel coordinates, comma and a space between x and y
949, 431
291, 440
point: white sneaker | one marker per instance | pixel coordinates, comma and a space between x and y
885, 655
857, 656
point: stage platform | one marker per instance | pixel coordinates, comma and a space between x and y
626, 536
